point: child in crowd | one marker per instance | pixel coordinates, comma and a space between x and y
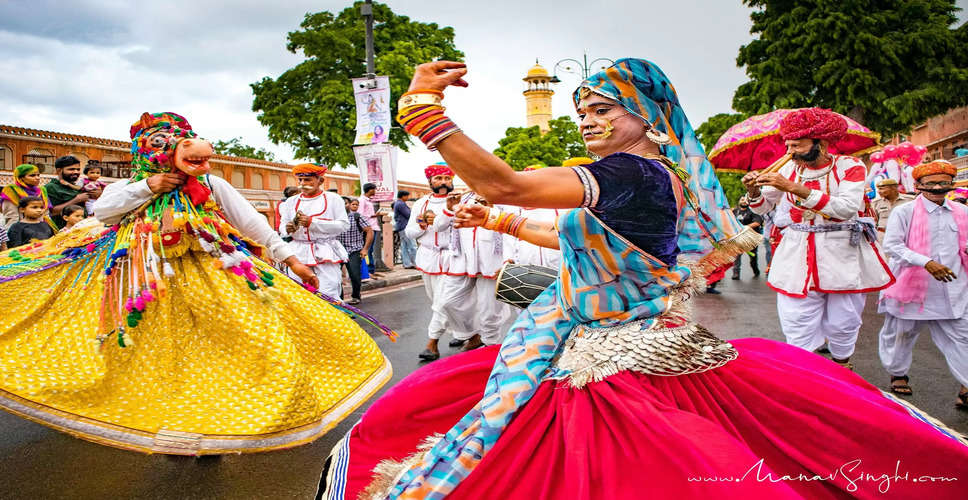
32, 224
91, 182
72, 215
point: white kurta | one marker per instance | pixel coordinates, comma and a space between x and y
820, 276
522, 252
120, 198
430, 258
942, 300
316, 245
825, 262
945, 304
431, 241
467, 290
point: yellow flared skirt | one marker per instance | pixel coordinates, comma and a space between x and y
212, 369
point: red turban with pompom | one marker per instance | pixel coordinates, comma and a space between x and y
813, 123
438, 169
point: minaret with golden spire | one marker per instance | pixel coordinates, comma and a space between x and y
538, 97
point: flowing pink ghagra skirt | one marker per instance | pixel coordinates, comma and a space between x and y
777, 422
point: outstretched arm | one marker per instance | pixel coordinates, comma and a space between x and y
540, 233
487, 174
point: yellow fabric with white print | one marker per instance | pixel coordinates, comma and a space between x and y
209, 361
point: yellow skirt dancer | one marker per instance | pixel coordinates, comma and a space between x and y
159, 329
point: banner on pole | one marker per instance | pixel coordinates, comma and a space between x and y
378, 164
372, 110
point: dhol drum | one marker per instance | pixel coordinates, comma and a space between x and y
518, 284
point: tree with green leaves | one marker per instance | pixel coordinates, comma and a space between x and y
311, 106
712, 129
709, 132
525, 146
889, 64
235, 147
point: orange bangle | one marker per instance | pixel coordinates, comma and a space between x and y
424, 91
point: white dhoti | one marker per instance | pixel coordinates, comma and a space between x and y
898, 336
835, 317
470, 307
457, 304
438, 321
330, 279
492, 312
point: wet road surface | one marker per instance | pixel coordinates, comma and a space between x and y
41, 463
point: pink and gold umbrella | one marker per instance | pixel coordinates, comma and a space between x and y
755, 143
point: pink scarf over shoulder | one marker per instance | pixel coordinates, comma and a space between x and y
912, 282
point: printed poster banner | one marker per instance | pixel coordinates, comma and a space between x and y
378, 164
372, 110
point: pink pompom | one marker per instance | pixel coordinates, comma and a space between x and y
154, 285
128, 305
90, 247
237, 270
246, 265
249, 275
148, 296
139, 303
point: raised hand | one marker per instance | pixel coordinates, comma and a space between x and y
438, 75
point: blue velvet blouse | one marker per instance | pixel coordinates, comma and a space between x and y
636, 200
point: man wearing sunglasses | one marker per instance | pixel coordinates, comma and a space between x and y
926, 242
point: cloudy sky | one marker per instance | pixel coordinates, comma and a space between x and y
92, 67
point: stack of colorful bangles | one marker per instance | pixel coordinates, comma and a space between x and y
504, 222
421, 114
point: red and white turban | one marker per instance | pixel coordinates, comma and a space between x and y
813, 123
438, 169
934, 167
309, 169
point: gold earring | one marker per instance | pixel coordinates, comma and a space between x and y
658, 137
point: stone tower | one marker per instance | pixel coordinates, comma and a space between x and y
538, 97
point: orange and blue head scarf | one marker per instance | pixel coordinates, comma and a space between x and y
646, 92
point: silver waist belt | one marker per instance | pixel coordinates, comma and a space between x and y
857, 228
592, 354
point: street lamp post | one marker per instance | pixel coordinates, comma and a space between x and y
584, 67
